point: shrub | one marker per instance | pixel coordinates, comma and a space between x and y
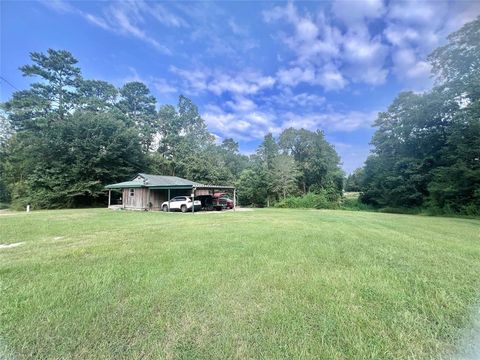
354, 204
320, 200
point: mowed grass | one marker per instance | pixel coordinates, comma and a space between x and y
99, 284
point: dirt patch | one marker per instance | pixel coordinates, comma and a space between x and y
223, 211
471, 342
12, 245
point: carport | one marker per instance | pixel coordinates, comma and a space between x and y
148, 192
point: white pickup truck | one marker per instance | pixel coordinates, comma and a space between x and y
182, 203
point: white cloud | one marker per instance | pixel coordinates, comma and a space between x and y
241, 104
296, 75
237, 29
98, 21
331, 78
354, 13
339, 49
122, 18
59, 6
365, 58
125, 16
288, 99
333, 121
328, 76
418, 12
325, 54
414, 29
165, 17
252, 122
218, 82
163, 86
245, 126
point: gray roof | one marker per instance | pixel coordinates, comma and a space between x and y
160, 181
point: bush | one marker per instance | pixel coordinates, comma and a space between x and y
354, 204
321, 200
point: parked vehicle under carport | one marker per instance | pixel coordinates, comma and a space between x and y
181, 203
221, 201
217, 201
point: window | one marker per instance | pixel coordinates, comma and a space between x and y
132, 192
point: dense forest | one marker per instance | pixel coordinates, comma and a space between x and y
427, 146
66, 137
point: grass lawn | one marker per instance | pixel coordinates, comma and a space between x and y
96, 284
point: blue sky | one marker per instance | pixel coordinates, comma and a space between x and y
251, 67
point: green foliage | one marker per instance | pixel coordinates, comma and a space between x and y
252, 187
427, 146
302, 161
323, 199
96, 95
317, 160
138, 105
350, 201
233, 160
70, 136
68, 164
354, 180
284, 176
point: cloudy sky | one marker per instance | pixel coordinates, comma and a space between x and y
252, 67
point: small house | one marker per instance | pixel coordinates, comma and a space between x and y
148, 192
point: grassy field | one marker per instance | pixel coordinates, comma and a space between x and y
97, 284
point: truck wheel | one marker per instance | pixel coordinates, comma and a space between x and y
183, 208
165, 208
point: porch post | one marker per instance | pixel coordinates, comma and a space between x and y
148, 199
168, 196
234, 199
193, 201
109, 197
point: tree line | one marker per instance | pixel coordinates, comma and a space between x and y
427, 145
66, 137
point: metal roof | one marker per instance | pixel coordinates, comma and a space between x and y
162, 182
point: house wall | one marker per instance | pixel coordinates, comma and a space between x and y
140, 199
157, 197
137, 201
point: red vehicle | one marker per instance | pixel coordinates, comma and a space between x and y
222, 201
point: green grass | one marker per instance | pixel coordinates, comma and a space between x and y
270, 283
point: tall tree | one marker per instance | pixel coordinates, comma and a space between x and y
354, 180
252, 188
53, 97
285, 176
265, 157
317, 160
183, 135
97, 95
138, 105
267, 151
233, 159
